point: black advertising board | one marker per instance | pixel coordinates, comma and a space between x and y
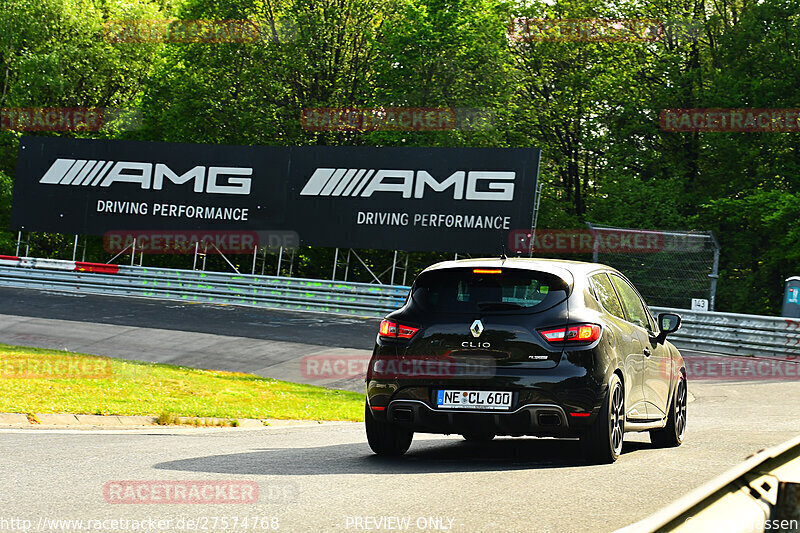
420, 199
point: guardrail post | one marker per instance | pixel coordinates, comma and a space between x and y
75, 248
19, 239
280, 258
347, 264
196, 248
133, 252
255, 254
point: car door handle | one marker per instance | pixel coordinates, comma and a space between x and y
646, 351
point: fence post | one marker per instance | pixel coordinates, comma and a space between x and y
714, 276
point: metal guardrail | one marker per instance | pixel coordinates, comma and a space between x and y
736, 334
359, 299
760, 494
725, 333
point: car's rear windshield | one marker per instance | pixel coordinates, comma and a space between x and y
471, 290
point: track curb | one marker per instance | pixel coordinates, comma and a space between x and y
60, 420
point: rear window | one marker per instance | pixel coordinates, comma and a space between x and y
493, 290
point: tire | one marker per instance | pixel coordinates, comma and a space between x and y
385, 438
478, 437
602, 441
672, 434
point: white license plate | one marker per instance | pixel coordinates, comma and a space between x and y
476, 399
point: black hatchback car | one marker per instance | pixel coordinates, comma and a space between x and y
517, 346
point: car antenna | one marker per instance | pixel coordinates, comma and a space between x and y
503, 255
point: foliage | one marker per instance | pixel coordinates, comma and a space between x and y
591, 106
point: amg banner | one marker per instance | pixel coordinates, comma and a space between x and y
418, 199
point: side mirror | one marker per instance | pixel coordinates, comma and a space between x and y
667, 323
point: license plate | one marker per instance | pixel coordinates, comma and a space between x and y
478, 399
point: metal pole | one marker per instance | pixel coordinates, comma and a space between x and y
263, 261
405, 270
455, 258
255, 254
335, 261
75, 248
141, 257
280, 258
394, 264
596, 243
347, 264
205, 254
196, 247
291, 262
537, 195
535, 220
133, 251
19, 239
714, 274
85, 245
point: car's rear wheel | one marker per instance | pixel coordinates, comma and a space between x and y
672, 434
602, 441
386, 438
478, 437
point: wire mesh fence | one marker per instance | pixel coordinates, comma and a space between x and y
679, 266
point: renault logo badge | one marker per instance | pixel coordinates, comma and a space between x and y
476, 328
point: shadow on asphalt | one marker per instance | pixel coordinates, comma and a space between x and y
424, 457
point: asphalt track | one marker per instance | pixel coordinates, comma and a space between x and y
264, 342
323, 477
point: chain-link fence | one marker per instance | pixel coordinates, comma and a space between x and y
670, 270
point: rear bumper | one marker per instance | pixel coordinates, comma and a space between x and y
539, 420
560, 401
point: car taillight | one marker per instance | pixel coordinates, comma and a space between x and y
393, 330
576, 333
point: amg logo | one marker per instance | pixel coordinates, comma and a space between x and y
148, 175
361, 182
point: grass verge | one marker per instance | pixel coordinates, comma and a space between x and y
34, 380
